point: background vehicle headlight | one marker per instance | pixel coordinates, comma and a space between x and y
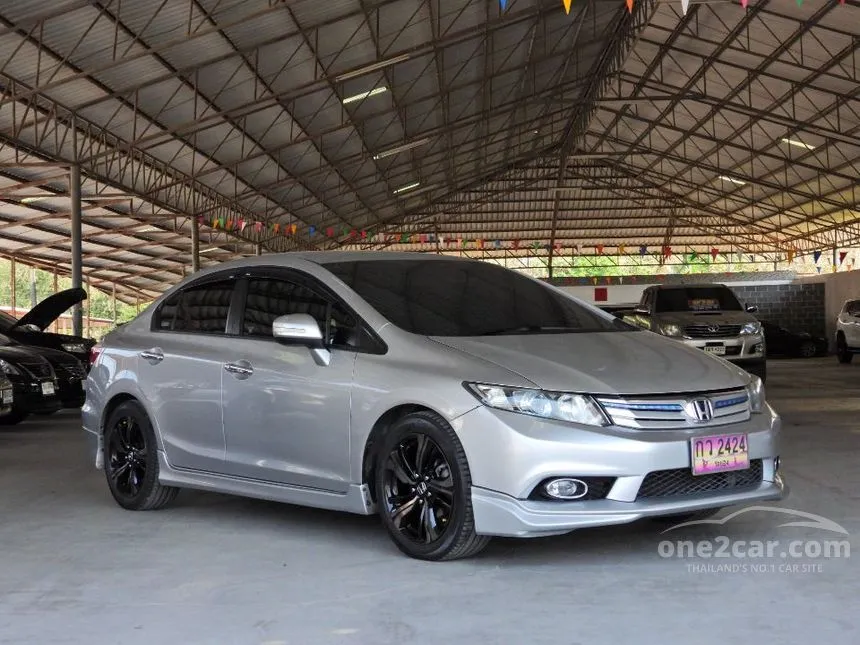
756, 394
563, 406
75, 348
751, 328
7, 368
670, 329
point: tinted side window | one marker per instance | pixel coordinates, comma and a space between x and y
269, 298
201, 309
853, 308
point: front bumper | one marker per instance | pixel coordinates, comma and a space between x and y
510, 454
737, 349
28, 397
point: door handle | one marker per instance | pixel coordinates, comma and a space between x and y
240, 371
154, 355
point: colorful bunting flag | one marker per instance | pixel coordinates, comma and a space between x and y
685, 4
842, 256
667, 251
714, 253
643, 250
790, 256
630, 6
744, 3
599, 249
566, 3
817, 256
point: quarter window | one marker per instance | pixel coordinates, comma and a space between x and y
199, 309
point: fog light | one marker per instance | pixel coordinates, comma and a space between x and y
758, 349
775, 465
566, 488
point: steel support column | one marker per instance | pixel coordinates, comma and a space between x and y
195, 245
77, 253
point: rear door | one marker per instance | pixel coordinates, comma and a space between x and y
181, 372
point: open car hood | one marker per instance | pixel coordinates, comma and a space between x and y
51, 308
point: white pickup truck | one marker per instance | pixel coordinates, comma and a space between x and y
707, 316
848, 331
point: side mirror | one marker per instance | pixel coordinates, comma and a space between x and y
751, 309
31, 327
645, 311
302, 329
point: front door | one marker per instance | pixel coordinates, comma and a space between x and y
851, 318
286, 418
181, 373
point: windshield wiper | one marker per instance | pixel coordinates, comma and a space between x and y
526, 329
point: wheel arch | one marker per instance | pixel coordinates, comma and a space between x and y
378, 431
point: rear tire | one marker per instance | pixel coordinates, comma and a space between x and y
423, 490
808, 349
842, 354
131, 460
14, 418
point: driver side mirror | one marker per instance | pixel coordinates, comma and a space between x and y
302, 329
751, 309
31, 327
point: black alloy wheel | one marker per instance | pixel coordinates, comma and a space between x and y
808, 349
419, 489
131, 461
423, 490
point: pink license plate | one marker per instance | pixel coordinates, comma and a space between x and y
719, 453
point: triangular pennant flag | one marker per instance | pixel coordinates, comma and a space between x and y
834, 268
744, 3
693, 256
364, 235
667, 251
599, 249
799, 2
817, 256
516, 244
293, 229
503, 3
329, 232
790, 255
258, 226
567, 4
685, 4
714, 253
622, 250
842, 256
312, 230
751, 258
643, 250
621, 279
243, 224
819, 269
630, 6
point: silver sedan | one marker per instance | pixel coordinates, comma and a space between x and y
457, 399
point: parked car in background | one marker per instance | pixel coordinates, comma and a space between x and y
34, 382
30, 329
784, 342
848, 331
708, 317
457, 399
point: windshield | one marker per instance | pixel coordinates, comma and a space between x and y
6, 321
456, 298
697, 299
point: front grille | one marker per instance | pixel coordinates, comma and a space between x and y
671, 413
40, 369
71, 370
681, 481
702, 330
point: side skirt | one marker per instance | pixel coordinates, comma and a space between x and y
356, 500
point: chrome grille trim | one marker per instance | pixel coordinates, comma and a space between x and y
703, 330
667, 412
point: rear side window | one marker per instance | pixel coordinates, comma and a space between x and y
200, 309
852, 308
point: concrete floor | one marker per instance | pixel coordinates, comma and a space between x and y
75, 568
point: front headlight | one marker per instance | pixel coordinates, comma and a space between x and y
756, 393
74, 348
7, 368
751, 328
671, 329
563, 406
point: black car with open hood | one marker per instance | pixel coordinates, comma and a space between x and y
30, 329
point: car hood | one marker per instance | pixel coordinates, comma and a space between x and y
52, 307
15, 353
637, 362
706, 318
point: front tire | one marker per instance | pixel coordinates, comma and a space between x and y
842, 354
423, 490
131, 460
15, 417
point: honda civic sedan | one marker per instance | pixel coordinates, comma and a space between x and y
457, 399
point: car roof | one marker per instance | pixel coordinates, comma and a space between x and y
331, 257
702, 285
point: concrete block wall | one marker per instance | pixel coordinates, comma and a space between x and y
799, 307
